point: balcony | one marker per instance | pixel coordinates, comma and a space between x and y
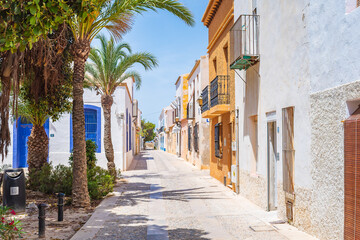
205, 99
220, 95
244, 39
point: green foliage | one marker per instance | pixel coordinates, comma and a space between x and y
111, 63
90, 155
9, 226
91, 16
52, 180
22, 23
147, 131
100, 182
38, 110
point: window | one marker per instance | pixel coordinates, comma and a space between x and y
127, 130
92, 126
189, 138
215, 65
196, 137
288, 149
130, 142
218, 140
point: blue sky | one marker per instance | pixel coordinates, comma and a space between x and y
176, 46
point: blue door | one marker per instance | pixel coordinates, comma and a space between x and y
21, 136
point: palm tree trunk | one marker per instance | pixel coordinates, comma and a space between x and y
38, 149
106, 103
80, 193
6, 70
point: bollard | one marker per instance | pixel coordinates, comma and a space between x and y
225, 181
61, 207
42, 207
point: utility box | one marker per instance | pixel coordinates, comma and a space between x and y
14, 195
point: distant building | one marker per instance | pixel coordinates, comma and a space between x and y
198, 127
218, 96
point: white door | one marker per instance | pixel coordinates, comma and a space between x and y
271, 166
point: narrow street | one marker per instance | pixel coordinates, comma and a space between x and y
164, 197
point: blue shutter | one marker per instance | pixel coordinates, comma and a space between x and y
92, 126
127, 132
130, 132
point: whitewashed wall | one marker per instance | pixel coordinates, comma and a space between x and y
59, 146
308, 59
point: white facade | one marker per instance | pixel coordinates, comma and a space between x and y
60, 131
198, 80
308, 60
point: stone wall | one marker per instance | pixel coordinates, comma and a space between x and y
328, 109
253, 187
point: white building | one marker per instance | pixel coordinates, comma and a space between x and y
302, 80
60, 132
198, 127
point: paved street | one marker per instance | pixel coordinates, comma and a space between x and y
164, 197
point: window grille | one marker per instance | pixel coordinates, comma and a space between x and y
91, 125
218, 140
189, 138
196, 137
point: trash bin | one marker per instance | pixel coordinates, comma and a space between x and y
14, 195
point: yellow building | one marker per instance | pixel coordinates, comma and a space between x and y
218, 98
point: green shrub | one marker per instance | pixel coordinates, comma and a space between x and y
100, 182
57, 179
62, 179
90, 155
52, 180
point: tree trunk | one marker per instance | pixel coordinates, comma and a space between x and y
80, 193
38, 149
106, 102
6, 69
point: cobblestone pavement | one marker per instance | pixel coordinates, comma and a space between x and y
165, 197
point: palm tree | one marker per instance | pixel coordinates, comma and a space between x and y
37, 111
110, 67
90, 18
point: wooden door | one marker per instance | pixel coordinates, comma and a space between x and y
352, 177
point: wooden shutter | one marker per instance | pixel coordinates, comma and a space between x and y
218, 139
196, 137
352, 177
288, 149
189, 138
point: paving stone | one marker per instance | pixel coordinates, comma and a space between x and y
164, 198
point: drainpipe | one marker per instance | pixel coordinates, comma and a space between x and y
237, 151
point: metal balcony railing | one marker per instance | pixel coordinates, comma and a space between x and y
219, 90
205, 99
244, 40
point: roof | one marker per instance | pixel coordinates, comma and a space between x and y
210, 11
197, 62
182, 76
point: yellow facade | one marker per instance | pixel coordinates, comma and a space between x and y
219, 18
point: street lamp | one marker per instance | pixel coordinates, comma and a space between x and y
200, 101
